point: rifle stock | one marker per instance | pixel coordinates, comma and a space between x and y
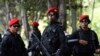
44, 49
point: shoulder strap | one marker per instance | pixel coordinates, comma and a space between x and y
79, 34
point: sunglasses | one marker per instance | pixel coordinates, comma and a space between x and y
51, 14
16, 26
85, 21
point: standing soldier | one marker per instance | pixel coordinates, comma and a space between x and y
12, 43
53, 37
33, 44
87, 39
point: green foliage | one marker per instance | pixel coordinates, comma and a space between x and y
35, 5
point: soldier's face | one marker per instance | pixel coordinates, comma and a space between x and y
14, 28
84, 24
51, 17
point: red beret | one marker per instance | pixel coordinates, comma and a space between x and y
82, 17
52, 10
35, 23
13, 21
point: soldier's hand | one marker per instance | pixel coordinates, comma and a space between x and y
83, 42
57, 53
97, 51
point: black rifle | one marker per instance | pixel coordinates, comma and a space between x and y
42, 46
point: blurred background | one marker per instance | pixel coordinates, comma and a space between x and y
69, 12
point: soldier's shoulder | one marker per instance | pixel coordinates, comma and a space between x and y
58, 25
6, 36
92, 30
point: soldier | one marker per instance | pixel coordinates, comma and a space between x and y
87, 42
53, 37
12, 43
33, 44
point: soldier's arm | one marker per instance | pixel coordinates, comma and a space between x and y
24, 50
96, 41
62, 40
5, 44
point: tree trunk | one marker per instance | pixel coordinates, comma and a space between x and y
73, 8
62, 14
24, 20
53, 3
7, 12
73, 11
